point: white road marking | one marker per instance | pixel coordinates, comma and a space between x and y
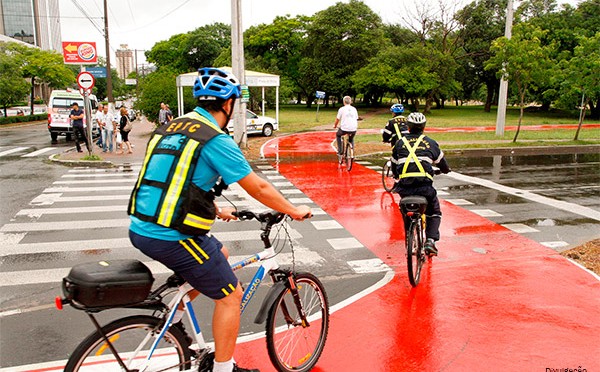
345, 243
373, 265
38, 212
96, 181
100, 189
486, 212
520, 228
12, 151
459, 201
525, 194
39, 152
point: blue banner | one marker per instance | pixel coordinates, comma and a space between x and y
98, 72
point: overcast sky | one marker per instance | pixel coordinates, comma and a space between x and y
142, 23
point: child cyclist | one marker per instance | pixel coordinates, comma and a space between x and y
414, 156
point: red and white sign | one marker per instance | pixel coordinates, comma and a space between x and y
85, 80
80, 53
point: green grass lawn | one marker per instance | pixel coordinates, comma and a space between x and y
297, 118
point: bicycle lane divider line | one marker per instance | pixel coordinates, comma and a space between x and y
490, 288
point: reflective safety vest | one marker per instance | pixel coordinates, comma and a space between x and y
164, 193
412, 157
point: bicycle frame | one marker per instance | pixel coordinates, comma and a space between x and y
269, 264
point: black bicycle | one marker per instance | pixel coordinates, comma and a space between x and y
295, 309
347, 157
413, 208
387, 175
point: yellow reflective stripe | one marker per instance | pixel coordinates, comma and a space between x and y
197, 116
197, 221
412, 155
191, 251
192, 242
231, 287
149, 150
177, 182
397, 130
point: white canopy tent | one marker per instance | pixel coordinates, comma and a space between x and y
253, 79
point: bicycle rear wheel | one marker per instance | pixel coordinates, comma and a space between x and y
414, 252
349, 156
132, 337
387, 176
293, 346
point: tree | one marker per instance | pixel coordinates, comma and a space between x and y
277, 47
481, 23
341, 39
192, 50
157, 87
13, 86
522, 60
42, 66
581, 77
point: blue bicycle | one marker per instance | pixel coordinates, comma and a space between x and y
295, 309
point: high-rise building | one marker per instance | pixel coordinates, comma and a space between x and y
125, 62
36, 22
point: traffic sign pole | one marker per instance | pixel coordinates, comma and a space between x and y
86, 82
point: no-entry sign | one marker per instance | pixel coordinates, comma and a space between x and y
85, 80
80, 52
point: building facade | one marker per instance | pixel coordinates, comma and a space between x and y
125, 61
36, 22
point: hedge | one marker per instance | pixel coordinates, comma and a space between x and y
23, 119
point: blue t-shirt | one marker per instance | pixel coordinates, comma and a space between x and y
220, 157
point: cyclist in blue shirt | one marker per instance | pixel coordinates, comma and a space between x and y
172, 208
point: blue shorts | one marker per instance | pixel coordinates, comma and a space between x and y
198, 260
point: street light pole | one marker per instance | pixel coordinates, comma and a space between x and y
237, 65
503, 92
109, 95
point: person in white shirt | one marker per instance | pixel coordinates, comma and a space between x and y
107, 130
100, 121
347, 118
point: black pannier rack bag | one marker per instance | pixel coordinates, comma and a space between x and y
108, 283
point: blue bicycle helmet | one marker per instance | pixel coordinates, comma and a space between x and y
213, 83
397, 108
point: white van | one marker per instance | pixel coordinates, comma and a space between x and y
59, 108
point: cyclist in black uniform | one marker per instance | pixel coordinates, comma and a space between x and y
414, 156
396, 126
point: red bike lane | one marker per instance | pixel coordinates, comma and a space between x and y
491, 300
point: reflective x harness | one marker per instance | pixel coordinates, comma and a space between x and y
412, 157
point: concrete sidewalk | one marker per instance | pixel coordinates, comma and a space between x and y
138, 137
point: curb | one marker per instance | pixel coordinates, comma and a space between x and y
81, 163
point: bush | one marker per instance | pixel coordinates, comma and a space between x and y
23, 119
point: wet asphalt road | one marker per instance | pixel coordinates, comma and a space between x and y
33, 332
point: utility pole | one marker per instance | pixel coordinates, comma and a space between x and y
238, 66
503, 92
109, 95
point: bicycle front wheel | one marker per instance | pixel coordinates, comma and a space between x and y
292, 345
414, 253
387, 176
132, 338
349, 156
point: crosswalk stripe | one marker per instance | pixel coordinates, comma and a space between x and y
38, 212
86, 189
41, 276
12, 151
64, 246
65, 225
38, 152
103, 175
95, 170
118, 243
98, 180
